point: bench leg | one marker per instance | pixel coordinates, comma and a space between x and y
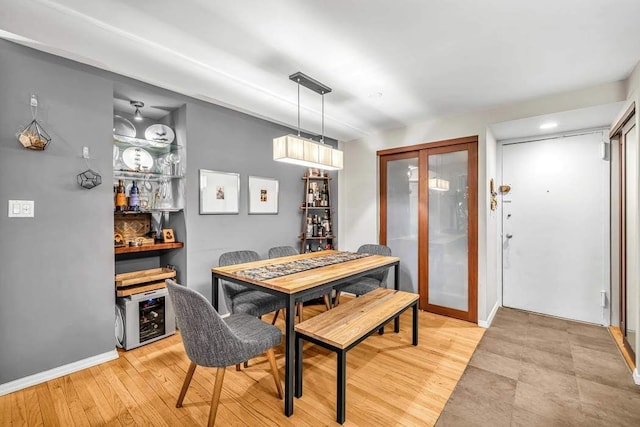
381, 330
298, 391
415, 324
396, 324
342, 371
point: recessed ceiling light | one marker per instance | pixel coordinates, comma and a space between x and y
548, 125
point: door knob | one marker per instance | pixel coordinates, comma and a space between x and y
509, 235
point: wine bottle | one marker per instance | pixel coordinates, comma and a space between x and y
121, 198
134, 197
309, 227
315, 226
310, 197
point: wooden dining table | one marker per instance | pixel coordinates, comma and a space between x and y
295, 286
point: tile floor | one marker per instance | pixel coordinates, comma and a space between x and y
533, 370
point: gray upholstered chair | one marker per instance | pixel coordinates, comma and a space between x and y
242, 299
280, 251
369, 282
212, 341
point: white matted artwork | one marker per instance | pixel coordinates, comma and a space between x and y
263, 195
219, 192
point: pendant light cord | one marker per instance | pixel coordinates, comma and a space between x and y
322, 135
298, 107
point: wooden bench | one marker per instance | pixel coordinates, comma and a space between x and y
345, 326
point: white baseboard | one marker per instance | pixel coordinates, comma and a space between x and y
487, 323
60, 371
636, 376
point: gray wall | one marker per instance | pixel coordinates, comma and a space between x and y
223, 140
56, 301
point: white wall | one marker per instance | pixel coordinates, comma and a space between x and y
494, 240
633, 94
358, 205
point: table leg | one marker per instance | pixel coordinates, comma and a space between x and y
298, 367
215, 284
289, 356
342, 386
396, 286
415, 323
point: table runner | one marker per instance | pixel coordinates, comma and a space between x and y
282, 269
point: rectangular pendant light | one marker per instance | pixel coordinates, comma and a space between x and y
302, 151
305, 152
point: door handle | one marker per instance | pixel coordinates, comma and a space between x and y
509, 235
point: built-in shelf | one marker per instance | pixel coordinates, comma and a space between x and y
153, 146
143, 176
148, 248
143, 211
319, 238
316, 177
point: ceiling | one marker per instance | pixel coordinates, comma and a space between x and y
599, 116
389, 63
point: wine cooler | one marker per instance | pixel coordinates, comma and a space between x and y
144, 318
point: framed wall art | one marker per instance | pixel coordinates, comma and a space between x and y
219, 192
263, 195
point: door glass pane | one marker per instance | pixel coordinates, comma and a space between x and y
632, 236
448, 230
402, 218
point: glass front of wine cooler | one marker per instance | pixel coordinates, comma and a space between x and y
152, 322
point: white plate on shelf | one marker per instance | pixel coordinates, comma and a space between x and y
122, 126
137, 159
160, 133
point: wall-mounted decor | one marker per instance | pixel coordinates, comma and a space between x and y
219, 192
33, 136
89, 179
263, 195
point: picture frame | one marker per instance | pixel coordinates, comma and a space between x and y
168, 236
219, 192
263, 196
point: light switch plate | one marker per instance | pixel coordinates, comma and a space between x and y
21, 208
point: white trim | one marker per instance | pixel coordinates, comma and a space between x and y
486, 323
60, 371
636, 376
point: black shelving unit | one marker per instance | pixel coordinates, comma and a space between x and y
317, 215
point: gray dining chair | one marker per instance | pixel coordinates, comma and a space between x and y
369, 282
211, 341
242, 299
280, 251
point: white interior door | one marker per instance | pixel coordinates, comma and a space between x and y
555, 227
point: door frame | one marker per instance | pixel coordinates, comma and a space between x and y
422, 151
618, 133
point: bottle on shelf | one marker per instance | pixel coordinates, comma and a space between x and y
121, 197
310, 197
134, 198
314, 223
309, 231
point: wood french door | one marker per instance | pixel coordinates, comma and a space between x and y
429, 218
629, 175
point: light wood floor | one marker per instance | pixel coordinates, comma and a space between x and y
389, 382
